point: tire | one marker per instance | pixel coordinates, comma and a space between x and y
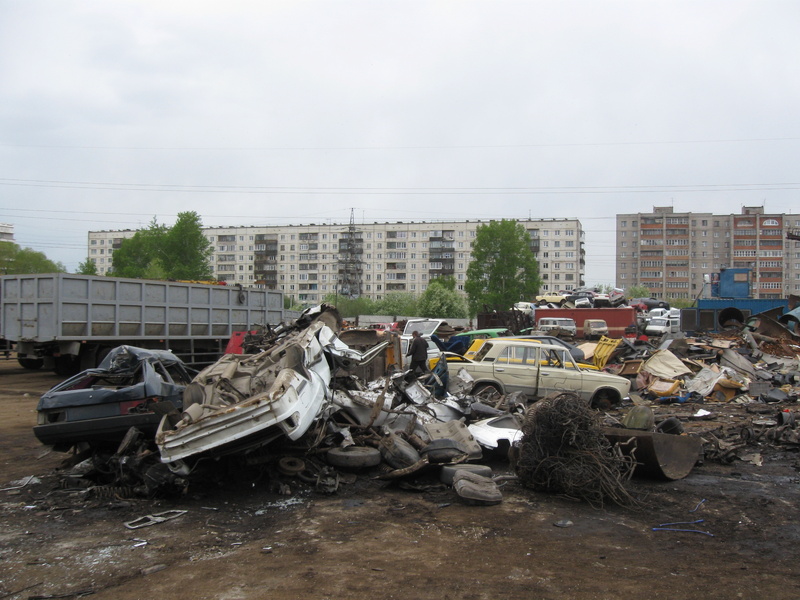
354, 457
31, 363
291, 465
102, 352
67, 365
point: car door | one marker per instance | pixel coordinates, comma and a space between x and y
515, 371
558, 372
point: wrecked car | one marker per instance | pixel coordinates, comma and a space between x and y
537, 370
98, 406
243, 402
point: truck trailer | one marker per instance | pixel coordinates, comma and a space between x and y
617, 319
70, 322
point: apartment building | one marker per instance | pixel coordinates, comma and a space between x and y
311, 261
670, 252
6, 232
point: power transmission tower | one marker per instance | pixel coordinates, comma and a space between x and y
351, 249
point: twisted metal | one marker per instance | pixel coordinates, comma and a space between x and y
564, 451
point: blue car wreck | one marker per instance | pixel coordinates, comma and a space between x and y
98, 406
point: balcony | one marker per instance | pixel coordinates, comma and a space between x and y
347, 247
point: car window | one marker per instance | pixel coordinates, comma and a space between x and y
479, 356
512, 355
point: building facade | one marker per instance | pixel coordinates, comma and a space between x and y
6, 232
309, 262
670, 253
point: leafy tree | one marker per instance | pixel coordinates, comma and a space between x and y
503, 269
161, 252
441, 299
350, 308
135, 254
681, 302
87, 267
637, 291
185, 251
15, 260
397, 304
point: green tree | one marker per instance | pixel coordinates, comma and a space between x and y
637, 291
397, 304
15, 260
161, 252
185, 251
87, 267
441, 299
350, 308
503, 269
134, 256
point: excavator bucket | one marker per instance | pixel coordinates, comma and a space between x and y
657, 455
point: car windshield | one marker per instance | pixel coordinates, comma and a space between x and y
658, 322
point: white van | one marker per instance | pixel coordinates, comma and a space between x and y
657, 326
594, 329
548, 324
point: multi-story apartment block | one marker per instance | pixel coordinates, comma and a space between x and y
6, 232
311, 261
670, 253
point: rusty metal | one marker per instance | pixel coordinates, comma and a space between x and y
659, 455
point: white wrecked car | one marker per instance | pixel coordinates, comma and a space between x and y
245, 401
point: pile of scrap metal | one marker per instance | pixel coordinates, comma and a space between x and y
297, 404
297, 407
757, 361
753, 364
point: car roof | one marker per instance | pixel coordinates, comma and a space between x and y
480, 331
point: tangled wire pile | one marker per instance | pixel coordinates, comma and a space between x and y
564, 451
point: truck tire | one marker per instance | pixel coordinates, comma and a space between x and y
354, 457
31, 363
67, 365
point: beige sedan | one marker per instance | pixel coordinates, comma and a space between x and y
538, 370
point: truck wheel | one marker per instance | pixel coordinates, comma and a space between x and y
31, 363
67, 365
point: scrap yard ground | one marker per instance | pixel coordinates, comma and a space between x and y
372, 539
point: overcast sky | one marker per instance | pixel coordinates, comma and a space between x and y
265, 112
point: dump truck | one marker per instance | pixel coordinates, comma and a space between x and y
70, 322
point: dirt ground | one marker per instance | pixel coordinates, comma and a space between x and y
376, 540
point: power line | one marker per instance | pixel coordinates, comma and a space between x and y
426, 147
378, 191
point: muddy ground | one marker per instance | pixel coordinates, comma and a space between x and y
377, 540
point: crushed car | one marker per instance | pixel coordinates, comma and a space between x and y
98, 406
243, 402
